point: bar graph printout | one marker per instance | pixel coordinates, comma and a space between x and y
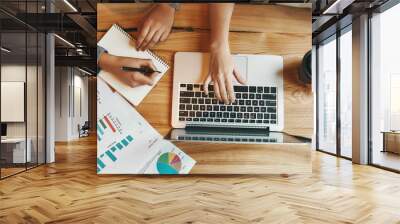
126, 142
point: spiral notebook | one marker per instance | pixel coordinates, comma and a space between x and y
117, 42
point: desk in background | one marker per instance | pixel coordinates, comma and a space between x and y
13, 150
391, 141
255, 29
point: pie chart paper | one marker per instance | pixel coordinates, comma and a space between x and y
169, 163
168, 159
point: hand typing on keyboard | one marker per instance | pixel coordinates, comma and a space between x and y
254, 105
222, 74
221, 70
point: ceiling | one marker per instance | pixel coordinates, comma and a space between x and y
75, 21
332, 15
72, 20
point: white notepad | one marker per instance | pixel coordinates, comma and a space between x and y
117, 42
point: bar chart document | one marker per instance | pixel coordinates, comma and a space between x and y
128, 144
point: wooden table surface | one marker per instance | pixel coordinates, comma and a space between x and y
254, 29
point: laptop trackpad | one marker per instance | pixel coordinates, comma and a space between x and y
240, 64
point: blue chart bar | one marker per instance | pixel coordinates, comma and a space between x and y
100, 163
100, 132
129, 138
110, 152
125, 142
111, 155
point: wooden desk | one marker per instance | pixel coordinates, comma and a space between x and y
255, 29
391, 141
13, 150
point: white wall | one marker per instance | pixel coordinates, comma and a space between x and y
61, 103
12, 73
70, 83
80, 110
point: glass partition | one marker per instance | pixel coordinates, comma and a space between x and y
32, 87
22, 77
13, 95
31, 97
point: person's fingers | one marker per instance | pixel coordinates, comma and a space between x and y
222, 89
239, 77
148, 42
155, 40
147, 39
153, 75
164, 36
216, 90
142, 79
148, 63
229, 88
129, 79
144, 29
206, 83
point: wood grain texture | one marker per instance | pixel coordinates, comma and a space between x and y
257, 37
392, 141
69, 191
219, 158
240, 42
245, 18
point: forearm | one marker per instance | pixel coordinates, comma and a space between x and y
219, 17
106, 62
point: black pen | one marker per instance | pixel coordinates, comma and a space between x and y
143, 70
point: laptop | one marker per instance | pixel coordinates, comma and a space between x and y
234, 135
259, 104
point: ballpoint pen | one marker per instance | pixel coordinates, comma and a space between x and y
143, 70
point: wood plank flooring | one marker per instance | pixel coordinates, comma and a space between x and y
69, 191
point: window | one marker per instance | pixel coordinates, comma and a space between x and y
346, 93
327, 96
333, 137
385, 89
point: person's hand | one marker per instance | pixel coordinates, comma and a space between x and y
222, 73
155, 27
113, 64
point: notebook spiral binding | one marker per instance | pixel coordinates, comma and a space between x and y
155, 56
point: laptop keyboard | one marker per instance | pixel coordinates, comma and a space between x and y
253, 105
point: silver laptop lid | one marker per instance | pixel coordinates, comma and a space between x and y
233, 135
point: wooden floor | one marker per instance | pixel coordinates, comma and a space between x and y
386, 159
69, 191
